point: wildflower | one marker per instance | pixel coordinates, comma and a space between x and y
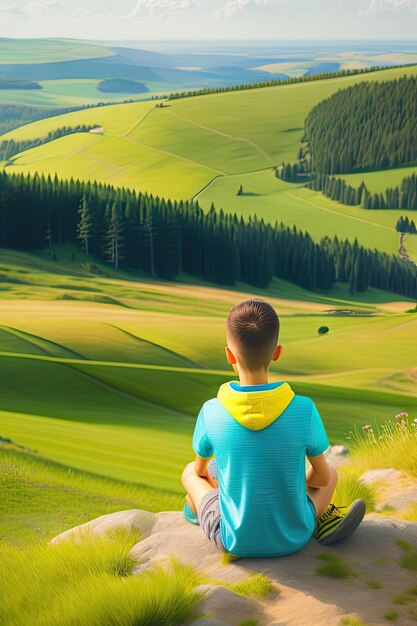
400, 415
415, 421
367, 427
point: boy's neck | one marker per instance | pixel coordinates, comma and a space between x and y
253, 378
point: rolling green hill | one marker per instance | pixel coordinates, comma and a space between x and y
107, 373
23, 51
206, 147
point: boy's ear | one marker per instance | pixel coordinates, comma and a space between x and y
230, 356
277, 353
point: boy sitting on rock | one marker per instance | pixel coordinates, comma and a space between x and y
256, 499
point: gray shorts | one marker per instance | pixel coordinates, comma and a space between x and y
209, 512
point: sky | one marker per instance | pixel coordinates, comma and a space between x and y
210, 19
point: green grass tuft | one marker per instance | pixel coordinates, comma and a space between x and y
227, 558
403, 544
91, 583
374, 584
391, 444
412, 591
351, 621
409, 558
392, 615
349, 488
258, 586
335, 566
402, 598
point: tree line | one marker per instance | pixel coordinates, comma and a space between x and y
402, 197
370, 125
8, 83
10, 147
145, 233
281, 81
404, 225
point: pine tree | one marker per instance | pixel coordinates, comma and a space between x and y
85, 224
115, 239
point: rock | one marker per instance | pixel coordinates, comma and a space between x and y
222, 603
305, 598
394, 489
376, 475
134, 519
173, 536
337, 455
339, 449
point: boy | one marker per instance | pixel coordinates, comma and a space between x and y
256, 499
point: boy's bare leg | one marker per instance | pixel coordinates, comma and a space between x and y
322, 496
195, 486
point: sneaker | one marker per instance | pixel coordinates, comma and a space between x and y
189, 515
333, 525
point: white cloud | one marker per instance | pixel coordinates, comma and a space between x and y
163, 8
29, 8
234, 7
12, 8
82, 13
382, 6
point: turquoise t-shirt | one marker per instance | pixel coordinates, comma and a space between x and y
265, 510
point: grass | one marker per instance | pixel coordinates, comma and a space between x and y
380, 180
351, 621
41, 499
391, 615
91, 584
334, 566
411, 513
408, 559
402, 598
392, 444
349, 488
200, 147
291, 203
374, 584
89, 373
257, 586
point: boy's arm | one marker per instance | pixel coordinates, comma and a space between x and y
201, 466
202, 446
318, 474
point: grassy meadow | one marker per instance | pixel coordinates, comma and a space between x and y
200, 147
102, 375
106, 374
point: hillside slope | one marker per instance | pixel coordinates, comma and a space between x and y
206, 147
107, 373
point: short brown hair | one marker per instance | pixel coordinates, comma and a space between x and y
254, 326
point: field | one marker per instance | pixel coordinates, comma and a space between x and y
107, 374
30, 51
379, 180
200, 147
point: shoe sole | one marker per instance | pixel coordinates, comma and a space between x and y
349, 523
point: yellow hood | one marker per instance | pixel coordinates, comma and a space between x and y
255, 409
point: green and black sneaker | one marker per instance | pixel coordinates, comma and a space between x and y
333, 525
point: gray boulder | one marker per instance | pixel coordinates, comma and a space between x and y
135, 519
